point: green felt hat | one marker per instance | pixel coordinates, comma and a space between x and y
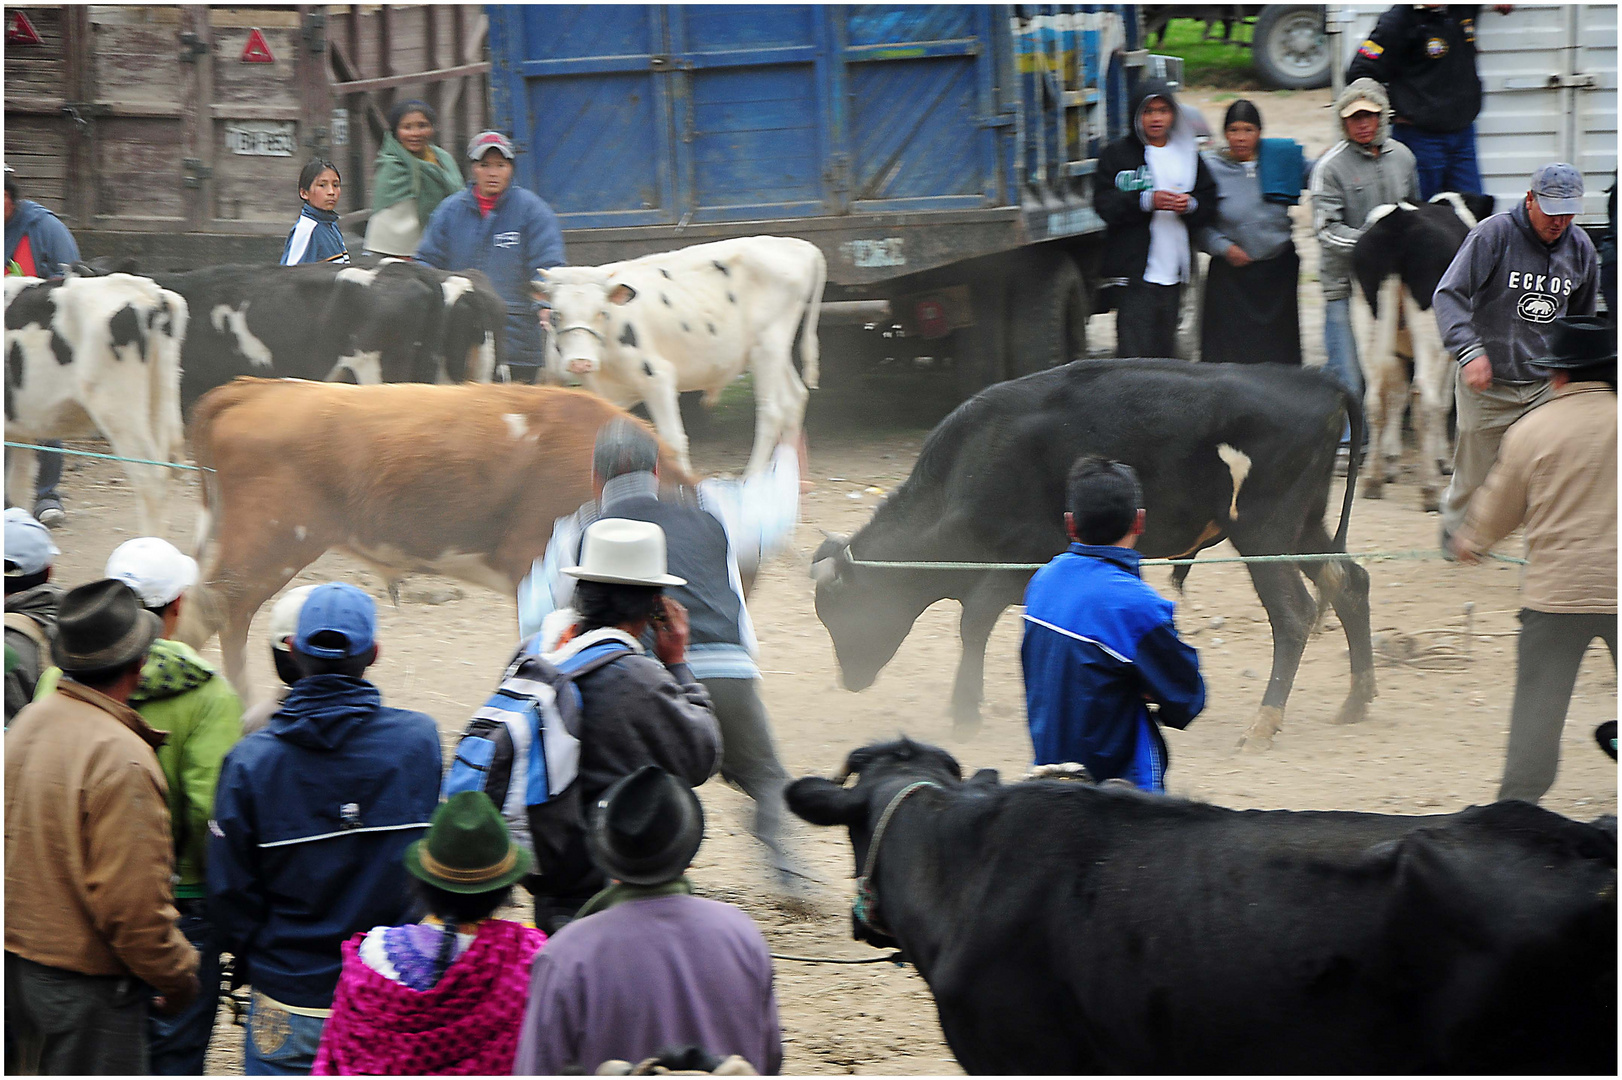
467, 849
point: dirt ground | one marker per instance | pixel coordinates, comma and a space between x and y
1434, 740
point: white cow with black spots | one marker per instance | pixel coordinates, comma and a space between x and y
648, 329
96, 354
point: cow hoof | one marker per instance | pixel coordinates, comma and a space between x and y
1269, 719
1353, 710
965, 727
1373, 491
1429, 502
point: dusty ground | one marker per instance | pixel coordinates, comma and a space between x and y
1434, 740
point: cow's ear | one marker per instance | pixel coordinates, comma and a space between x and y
986, 778
621, 293
823, 802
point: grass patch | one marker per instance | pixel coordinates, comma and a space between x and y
1215, 63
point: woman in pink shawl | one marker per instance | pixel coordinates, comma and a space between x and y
446, 996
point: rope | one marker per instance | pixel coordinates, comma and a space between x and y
895, 958
1328, 556
105, 457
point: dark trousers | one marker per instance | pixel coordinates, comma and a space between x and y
1446, 161
180, 1043
1549, 652
62, 1023
749, 757
1146, 319
49, 474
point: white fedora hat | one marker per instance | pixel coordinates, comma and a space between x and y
620, 551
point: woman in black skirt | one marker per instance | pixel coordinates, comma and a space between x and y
1250, 313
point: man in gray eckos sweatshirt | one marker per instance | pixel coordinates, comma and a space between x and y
1516, 273
1367, 168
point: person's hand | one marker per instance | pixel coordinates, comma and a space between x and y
1464, 552
1236, 256
670, 632
1478, 373
1503, 9
1170, 200
171, 1005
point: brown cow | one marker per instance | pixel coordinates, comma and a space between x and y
464, 481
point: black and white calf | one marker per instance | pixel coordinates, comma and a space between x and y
1397, 263
96, 354
648, 329
393, 322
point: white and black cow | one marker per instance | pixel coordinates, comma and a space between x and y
1397, 263
1238, 451
394, 322
694, 319
1066, 928
96, 354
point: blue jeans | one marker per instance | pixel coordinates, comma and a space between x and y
278, 1043
1446, 161
180, 1043
1340, 344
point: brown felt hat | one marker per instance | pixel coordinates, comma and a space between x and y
102, 625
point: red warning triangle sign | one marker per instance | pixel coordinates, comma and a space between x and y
257, 51
21, 31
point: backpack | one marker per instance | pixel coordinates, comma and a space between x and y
522, 748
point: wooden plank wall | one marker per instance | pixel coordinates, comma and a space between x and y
37, 140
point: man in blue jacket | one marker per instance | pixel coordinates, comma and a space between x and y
39, 245
506, 231
312, 816
1100, 648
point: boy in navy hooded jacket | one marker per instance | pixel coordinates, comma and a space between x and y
316, 237
1100, 646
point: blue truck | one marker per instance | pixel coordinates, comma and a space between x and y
941, 156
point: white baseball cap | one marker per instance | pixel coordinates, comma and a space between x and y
154, 568
284, 616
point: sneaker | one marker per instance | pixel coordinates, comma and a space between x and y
49, 513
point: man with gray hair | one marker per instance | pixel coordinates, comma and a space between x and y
1516, 273
716, 536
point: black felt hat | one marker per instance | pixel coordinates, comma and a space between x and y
647, 828
1580, 341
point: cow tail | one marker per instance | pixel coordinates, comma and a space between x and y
1354, 416
810, 352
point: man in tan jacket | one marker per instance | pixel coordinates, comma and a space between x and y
90, 916
1556, 472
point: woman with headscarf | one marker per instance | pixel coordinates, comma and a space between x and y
413, 177
1251, 315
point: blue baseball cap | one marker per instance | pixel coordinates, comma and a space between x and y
336, 608
28, 544
1558, 188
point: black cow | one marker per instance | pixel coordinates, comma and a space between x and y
390, 322
1398, 262
1065, 928
1244, 452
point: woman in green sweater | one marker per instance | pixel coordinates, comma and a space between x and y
413, 177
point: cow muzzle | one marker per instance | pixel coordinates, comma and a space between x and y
582, 366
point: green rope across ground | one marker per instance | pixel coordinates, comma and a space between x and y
878, 564
105, 457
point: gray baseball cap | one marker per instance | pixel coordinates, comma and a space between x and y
28, 544
1558, 188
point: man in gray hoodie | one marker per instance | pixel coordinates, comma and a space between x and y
1364, 170
1516, 273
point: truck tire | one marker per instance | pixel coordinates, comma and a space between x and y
1048, 307
1289, 47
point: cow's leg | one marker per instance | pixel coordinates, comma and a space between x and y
1291, 611
20, 478
247, 568
1377, 356
664, 406
1346, 586
780, 397
1433, 369
130, 436
981, 609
